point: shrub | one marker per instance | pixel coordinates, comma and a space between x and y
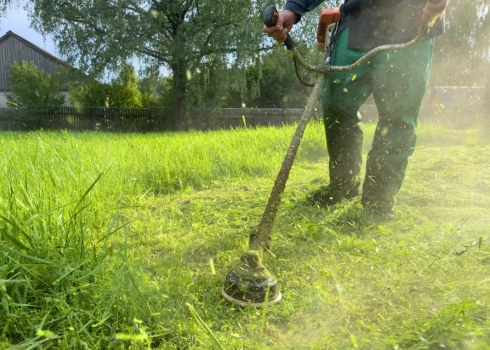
89, 93
124, 91
34, 90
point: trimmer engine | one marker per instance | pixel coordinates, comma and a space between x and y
326, 24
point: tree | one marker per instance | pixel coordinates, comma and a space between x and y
33, 88
279, 86
148, 87
156, 91
89, 92
462, 54
124, 90
180, 35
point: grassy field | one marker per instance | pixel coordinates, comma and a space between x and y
120, 241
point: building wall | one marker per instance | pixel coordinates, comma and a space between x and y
13, 50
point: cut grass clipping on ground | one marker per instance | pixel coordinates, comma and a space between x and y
117, 241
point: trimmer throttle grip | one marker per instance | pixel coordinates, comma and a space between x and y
270, 20
271, 16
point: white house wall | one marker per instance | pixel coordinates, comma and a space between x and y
3, 99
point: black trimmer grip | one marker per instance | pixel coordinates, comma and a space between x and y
270, 20
270, 16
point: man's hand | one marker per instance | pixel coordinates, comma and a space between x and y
432, 12
284, 24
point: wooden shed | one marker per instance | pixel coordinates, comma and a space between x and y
14, 48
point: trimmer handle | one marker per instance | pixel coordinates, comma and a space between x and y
270, 20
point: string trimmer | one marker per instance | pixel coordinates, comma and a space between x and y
250, 283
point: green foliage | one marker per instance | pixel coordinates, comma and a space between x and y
89, 93
178, 35
272, 81
148, 89
124, 90
34, 91
211, 87
156, 91
279, 87
33, 88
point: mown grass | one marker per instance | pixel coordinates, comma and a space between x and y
110, 241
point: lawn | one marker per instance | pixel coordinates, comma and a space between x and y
117, 241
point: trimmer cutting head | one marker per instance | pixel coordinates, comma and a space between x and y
248, 283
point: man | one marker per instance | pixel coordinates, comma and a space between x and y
397, 80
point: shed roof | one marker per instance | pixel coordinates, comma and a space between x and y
27, 42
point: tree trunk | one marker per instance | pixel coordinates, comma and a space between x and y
180, 95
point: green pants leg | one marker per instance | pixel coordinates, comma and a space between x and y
343, 94
398, 81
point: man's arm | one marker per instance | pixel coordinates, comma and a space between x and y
301, 6
291, 15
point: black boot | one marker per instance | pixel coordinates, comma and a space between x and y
331, 195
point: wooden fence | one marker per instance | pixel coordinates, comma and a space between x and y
159, 119
140, 119
225, 118
91, 119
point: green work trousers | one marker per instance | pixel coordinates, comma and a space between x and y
398, 82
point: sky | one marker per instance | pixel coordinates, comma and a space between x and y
18, 22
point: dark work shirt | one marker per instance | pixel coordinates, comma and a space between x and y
375, 22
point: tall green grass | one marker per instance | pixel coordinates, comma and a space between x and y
69, 277
65, 277
153, 162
